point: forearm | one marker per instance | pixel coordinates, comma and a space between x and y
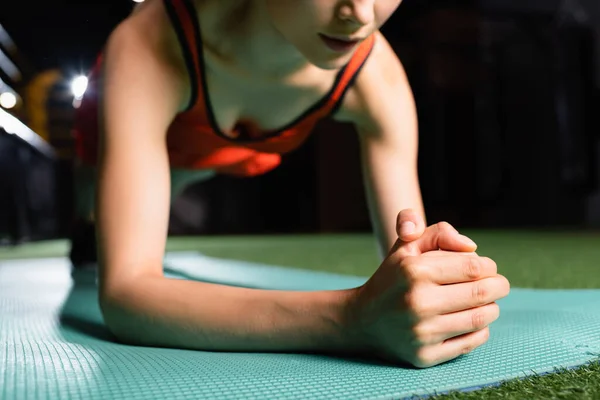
157, 311
384, 223
388, 193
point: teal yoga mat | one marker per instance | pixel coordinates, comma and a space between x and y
53, 344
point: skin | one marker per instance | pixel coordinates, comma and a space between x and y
432, 298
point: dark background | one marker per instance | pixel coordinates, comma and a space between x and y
507, 94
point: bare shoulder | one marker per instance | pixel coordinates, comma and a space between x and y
149, 27
378, 89
147, 41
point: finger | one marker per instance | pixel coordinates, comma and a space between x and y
439, 236
409, 225
452, 348
443, 327
464, 296
465, 267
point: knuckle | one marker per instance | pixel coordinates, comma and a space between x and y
406, 250
410, 301
444, 226
480, 292
414, 305
473, 268
482, 337
467, 348
414, 272
478, 320
421, 335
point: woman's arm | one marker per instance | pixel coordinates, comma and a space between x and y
142, 94
381, 107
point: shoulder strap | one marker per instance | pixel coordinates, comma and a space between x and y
349, 75
184, 21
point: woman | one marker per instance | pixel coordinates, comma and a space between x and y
189, 89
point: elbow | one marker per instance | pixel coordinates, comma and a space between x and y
126, 304
121, 317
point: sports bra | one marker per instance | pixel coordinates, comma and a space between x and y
194, 141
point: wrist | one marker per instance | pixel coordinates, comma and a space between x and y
321, 320
347, 337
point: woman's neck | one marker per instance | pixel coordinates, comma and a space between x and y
244, 37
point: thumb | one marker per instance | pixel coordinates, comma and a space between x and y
410, 225
441, 236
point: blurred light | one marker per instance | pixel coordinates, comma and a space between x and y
9, 67
79, 86
5, 40
9, 123
14, 126
138, 1
8, 100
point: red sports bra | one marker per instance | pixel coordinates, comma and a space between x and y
194, 140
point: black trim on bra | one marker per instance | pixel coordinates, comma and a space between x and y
339, 102
269, 133
187, 54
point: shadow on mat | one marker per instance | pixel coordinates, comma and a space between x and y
88, 328
80, 313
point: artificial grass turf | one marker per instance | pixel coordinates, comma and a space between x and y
528, 259
542, 260
581, 383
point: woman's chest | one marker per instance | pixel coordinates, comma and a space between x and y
269, 105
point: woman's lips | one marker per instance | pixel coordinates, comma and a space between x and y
338, 45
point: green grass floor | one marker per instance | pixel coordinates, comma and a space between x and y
529, 259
